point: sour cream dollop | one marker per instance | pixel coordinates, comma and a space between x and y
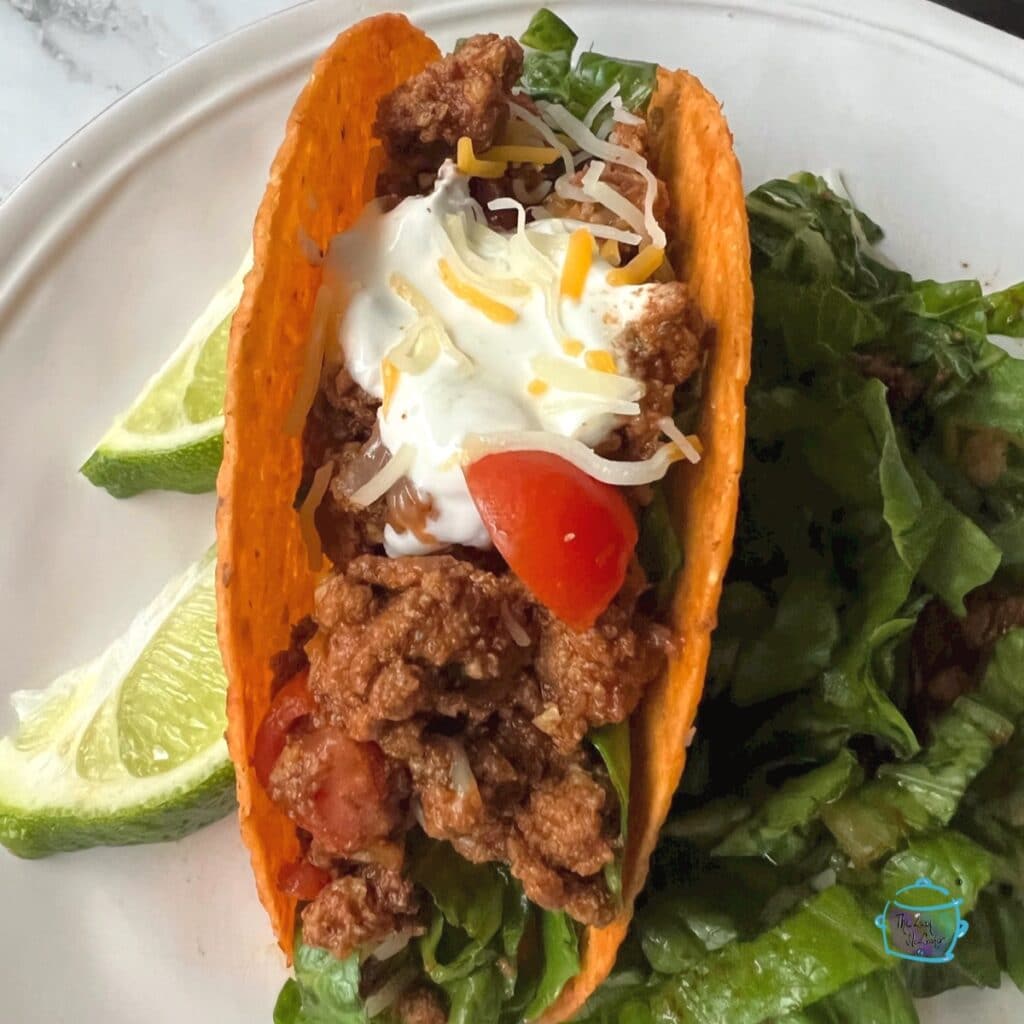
516, 373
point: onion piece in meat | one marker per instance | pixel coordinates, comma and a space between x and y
386, 996
385, 478
620, 474
515, 628
392, 945
679, 439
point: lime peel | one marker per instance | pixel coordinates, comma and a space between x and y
170, 437
64, 783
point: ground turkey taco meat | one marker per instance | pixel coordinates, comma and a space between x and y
441, 695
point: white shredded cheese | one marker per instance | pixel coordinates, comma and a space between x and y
608, 151
620, 474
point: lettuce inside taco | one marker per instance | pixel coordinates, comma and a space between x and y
483, 436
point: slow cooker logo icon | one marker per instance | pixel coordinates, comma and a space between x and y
922, 922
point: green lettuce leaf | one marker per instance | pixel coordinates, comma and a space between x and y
325, 990
925, 792
659, 549
548, 72
612, 743
783, 825
561, 960
882, 998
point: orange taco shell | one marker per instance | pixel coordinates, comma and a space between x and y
319, 183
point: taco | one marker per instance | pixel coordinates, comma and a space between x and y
484, 428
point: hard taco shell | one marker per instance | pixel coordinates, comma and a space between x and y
318, 186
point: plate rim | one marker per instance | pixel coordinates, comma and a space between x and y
110, 145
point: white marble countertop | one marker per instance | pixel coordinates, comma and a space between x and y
63, 61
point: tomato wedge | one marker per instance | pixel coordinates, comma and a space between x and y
294, 701
302, 879
567, 536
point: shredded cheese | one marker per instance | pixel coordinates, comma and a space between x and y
537, 387
603, 362
572, 347
610, 252
474, 167
573, 377
578, 257
588, 141
496, 311
385, 478
539, 125
639, 268
685, 444
599, 191
599, 104
474, 268
325, 317
408, 292
307, 514
389, 374
620, 474
521, 154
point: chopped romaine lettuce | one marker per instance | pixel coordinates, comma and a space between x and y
548, 72
612, 743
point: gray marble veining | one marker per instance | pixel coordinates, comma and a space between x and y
63, 61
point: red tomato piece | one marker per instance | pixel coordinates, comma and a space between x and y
302, 879
294, 701
346, 802
567, 536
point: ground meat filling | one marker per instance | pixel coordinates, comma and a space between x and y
949, 654
446, 697
484, 698
362, 909
465, 93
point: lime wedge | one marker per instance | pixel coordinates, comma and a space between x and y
170, 437
130, 747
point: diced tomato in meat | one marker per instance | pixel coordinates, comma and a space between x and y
302, 880
567, 536
292, 703
346, 804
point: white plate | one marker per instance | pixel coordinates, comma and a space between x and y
117, 240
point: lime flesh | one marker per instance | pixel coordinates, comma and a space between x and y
170, 436
128, 748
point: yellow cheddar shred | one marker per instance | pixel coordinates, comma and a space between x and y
389, 376
468, 163
491, 308
610, 252
572, 347
537, 387
597, 359
578, 257
520, 154
639, 268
